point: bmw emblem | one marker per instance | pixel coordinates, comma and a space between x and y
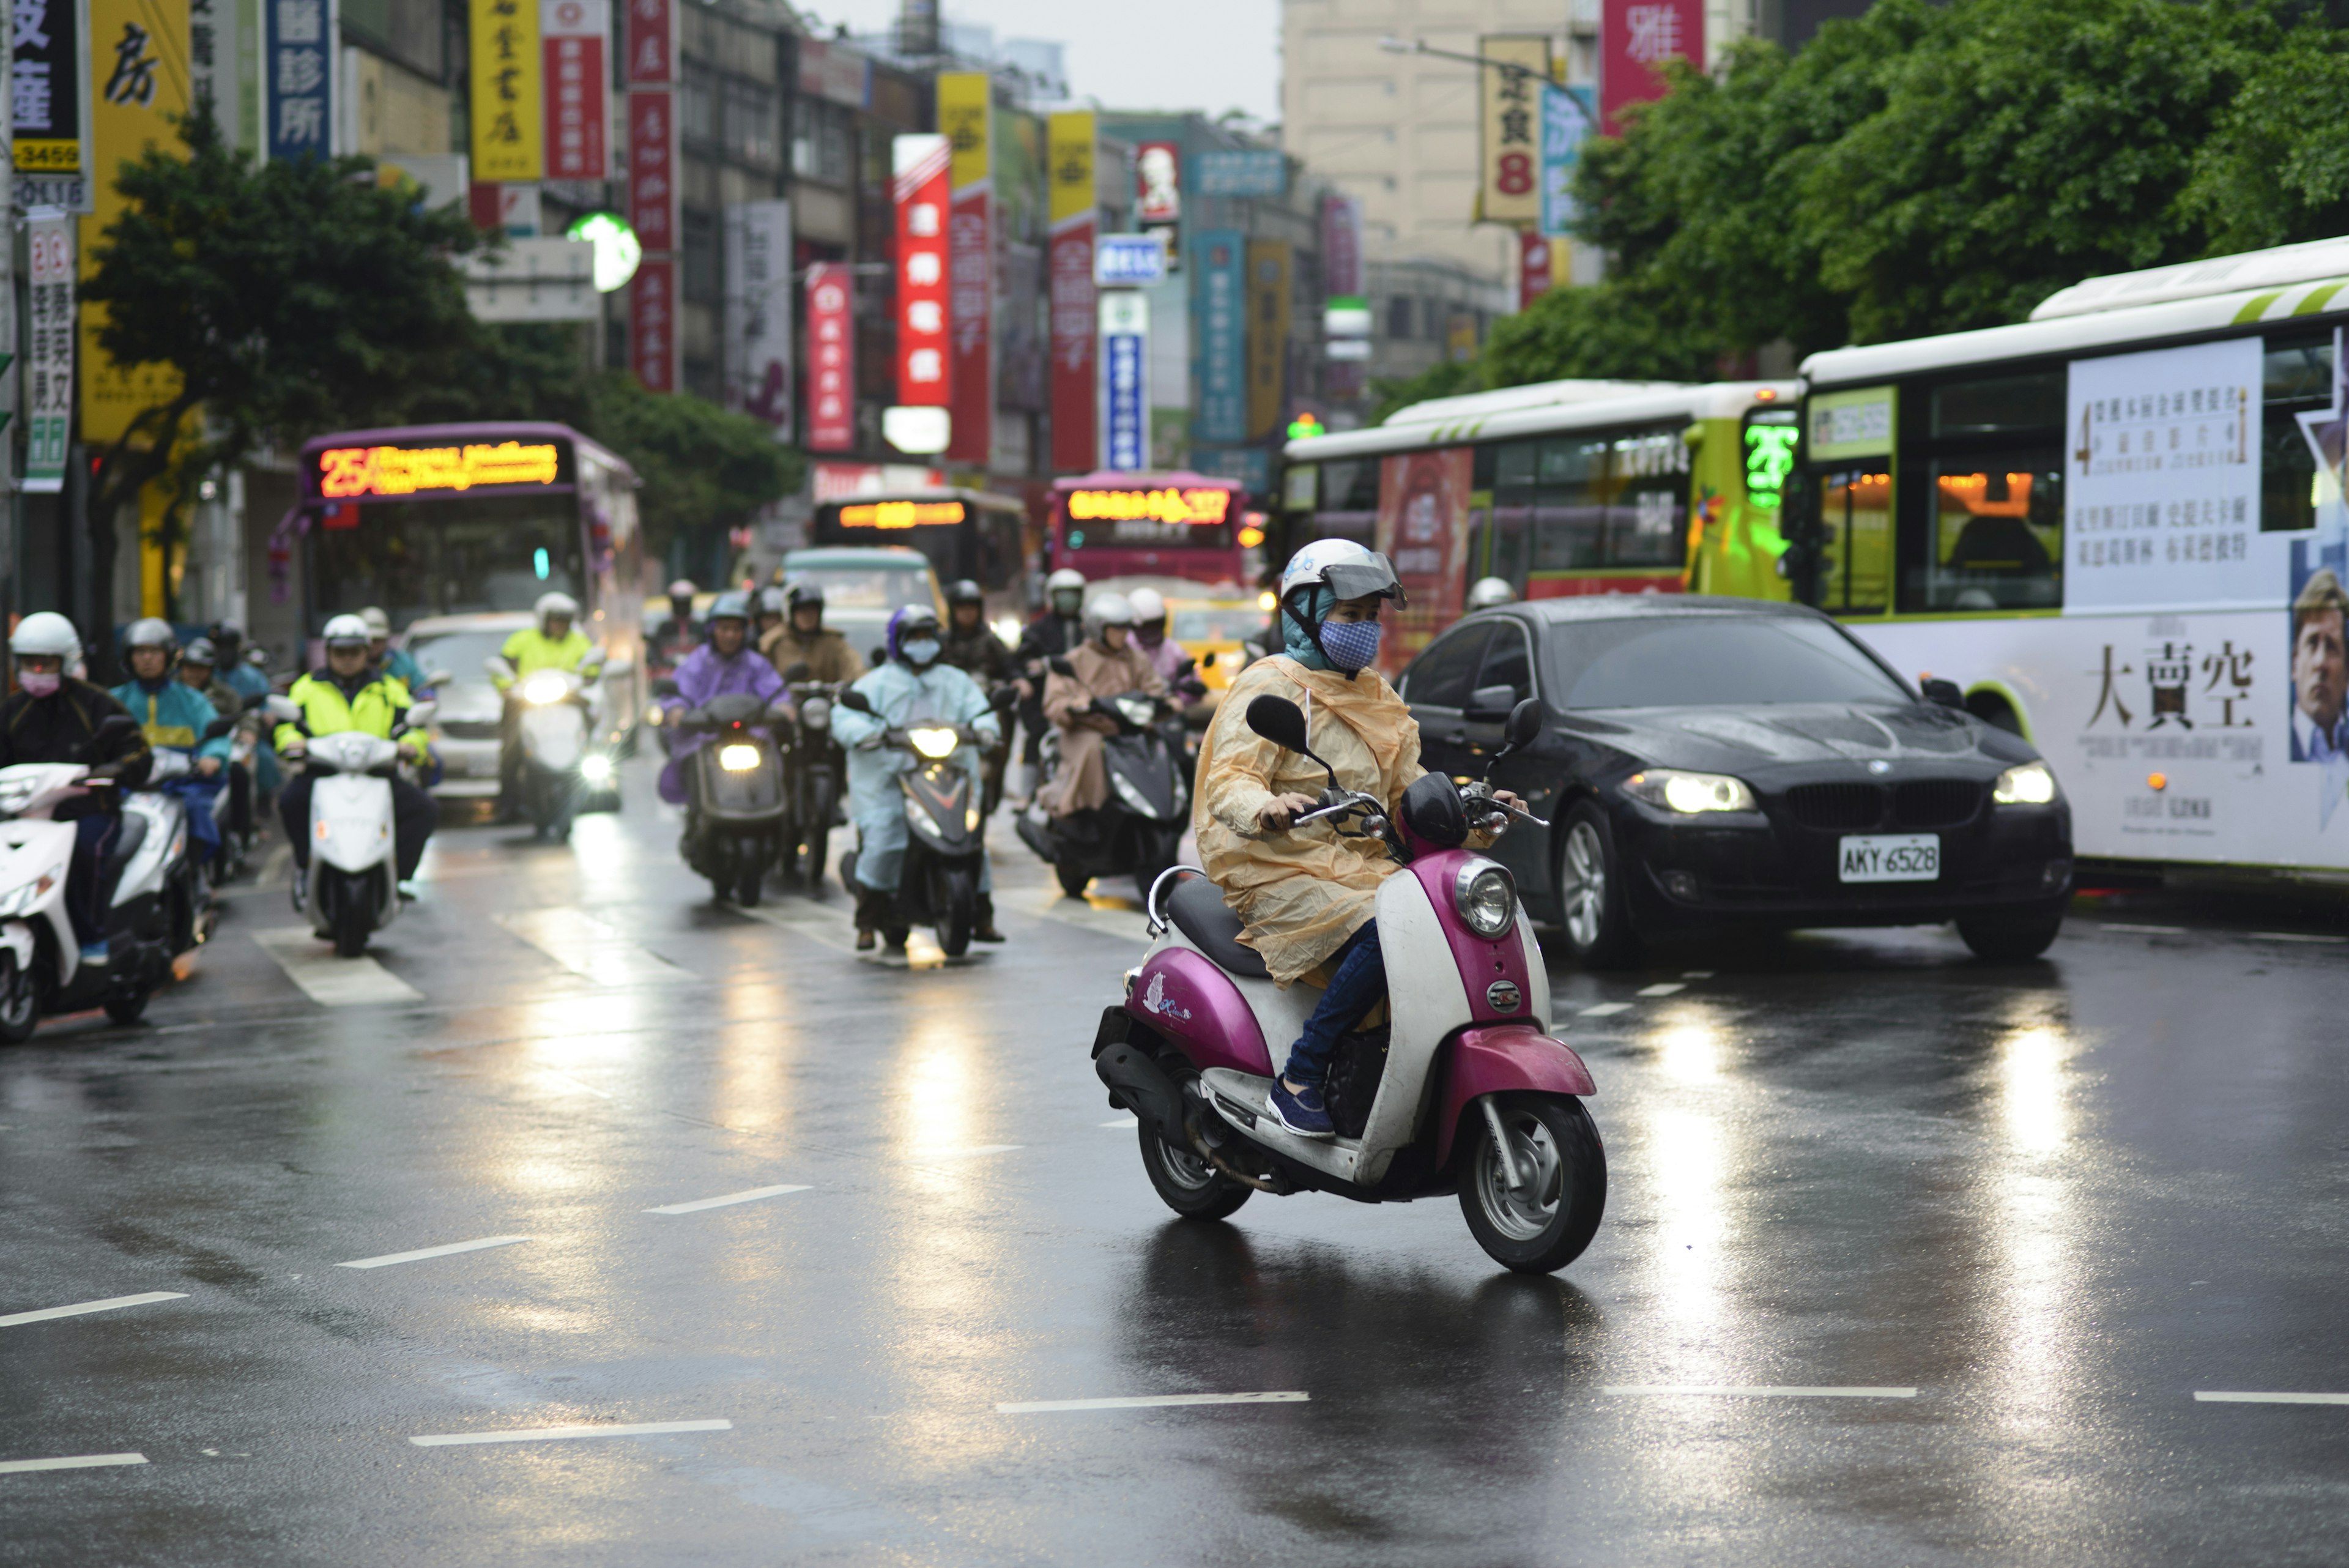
1879, 767
1503, 996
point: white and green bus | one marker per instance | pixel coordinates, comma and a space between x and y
2118, 527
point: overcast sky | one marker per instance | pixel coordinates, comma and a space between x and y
1210, 55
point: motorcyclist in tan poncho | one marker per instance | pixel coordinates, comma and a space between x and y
1307, 899
1108, 663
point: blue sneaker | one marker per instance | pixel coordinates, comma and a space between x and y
94, 953
1302, 1113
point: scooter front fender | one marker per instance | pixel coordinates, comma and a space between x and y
16, 937
1502, 1058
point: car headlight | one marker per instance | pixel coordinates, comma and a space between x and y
1486, 898
920, 818
595, 768
2025, 784
1690, 793
738, 759
815, 713
933, 743
1138, 711
545, 686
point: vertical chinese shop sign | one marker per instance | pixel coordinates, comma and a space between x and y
653, 336
300, 43
1221, 325
925, 371
832, 357
1069, 147
52, 100
1269, 263
1636, 37
965, 116
574, 34
508, 107
1510, 192
139, 86
48, 352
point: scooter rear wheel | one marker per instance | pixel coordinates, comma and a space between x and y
1542, 1225
126, 1006
20, 1003
1186, 1183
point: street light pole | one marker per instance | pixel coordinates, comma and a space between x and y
1416, 47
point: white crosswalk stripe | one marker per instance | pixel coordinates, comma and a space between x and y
586, 946
332, 982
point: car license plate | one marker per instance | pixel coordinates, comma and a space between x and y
1892, 857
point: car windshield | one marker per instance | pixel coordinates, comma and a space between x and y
1689, 661
868, 587
1215, 623
460, 653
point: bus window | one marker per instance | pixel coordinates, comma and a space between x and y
1649, 479
2297, 379
1998, 403
1997, 537
1570, 505
1856, 539
448, 556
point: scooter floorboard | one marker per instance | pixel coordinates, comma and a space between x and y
1338, 1157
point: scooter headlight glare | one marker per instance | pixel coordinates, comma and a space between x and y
738, 759
545, 686
1486, 898
1134, 798
2029, 784
933, 743
971, 820
595, 768
1690, 794
1138, 711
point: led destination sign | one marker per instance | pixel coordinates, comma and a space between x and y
353, 470
900, 514
1168, 505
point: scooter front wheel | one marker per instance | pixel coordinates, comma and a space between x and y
20, 1003
1536, 1209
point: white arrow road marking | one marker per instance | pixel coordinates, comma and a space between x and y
1152, 1401
586, 946
332, 982
423, 1252
109, 1305
563, 1434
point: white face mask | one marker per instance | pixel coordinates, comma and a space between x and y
922, 651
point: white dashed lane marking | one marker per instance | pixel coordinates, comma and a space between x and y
78, 1308
1662, 988
1754, 1391
2220, 1397
1605, 1010
1150, 1401
563, 1434
586, 946
70, 1462
332, 981
750, 1195
421, 1253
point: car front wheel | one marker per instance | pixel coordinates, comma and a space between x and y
1591, 905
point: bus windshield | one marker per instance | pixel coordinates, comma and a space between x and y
1689, 662
447, 556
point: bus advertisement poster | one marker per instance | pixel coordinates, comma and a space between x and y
1423, 529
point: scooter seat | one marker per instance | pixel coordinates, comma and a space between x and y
1196, 907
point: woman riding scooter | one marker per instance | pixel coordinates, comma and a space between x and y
1307, 899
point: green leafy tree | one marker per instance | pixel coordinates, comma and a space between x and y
289, 297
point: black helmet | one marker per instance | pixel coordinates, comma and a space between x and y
964, 592
914, 621
803, 595
227, 631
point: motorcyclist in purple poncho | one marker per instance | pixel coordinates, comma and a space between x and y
725, 663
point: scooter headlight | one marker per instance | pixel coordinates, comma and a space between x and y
815, 712
934, 745
1138, 711
595, 768
545, 686
1486, 898
738, 759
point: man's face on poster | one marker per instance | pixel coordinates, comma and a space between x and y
2320, 668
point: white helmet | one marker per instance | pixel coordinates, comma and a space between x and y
555, 604
1107, 610
378, 623
149, 632
1491, 591
1148, 604
345, 628
1066, 577
1350, 571
46, 632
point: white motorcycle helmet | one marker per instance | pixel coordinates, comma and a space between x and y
550, 605
1067, 580
345, 631
151, 632
1107, 610
1491, 591
1148, 604
47, 633
1346, 569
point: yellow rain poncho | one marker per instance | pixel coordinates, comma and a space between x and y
1302, 893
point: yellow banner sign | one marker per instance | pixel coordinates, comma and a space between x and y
349, 470
965, 100
1070, 158
137, 85
1152, 505
1509, 190
508, 138
900, 514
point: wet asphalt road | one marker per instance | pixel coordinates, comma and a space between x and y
2055, 1202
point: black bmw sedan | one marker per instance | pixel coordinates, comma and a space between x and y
1707, 762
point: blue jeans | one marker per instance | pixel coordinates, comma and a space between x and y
1360, 981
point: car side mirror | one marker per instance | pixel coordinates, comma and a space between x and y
1489, 704
1942, 693
796, 673
665, 686
856, 700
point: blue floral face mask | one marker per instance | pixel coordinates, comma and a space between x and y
1351, 645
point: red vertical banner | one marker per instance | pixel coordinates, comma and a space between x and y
652, 324
832, 357
1534, 279
574, 34
1075, 321
652, 170
1635, 39
965, 116
652, 42
1423, 529
925, 370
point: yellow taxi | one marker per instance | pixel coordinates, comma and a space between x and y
1211, 631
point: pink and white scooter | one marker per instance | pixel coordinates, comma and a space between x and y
1463, 1091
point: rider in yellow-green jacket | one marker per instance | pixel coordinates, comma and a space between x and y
346, 695
554, 643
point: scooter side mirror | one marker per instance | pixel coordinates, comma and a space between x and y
1186, 667
1061, 667
1521, 729
282, 709
439, 677
856, 700
496, 666
1207, 659
420, 713
663, 687
880, 657
220, 726
1282, 723
796, 673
